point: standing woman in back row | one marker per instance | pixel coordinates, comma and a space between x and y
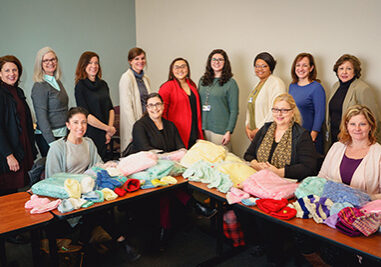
261, 98
182, 102
134, 87
219, 99
309, 96
17, 150
93, 94
50, 99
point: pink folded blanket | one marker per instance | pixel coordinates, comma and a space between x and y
236, 195
40, 205
137, 162
266, 184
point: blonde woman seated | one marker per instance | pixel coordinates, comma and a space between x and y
283, 146
355, 159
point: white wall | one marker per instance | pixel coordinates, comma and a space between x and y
167, 29
70, 27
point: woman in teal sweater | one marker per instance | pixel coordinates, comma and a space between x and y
219, 99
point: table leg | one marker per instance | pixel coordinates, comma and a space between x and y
220, 233
53, 254
3, 256
35, 242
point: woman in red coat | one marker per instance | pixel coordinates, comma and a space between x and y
182, 102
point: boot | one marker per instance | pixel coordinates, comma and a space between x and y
315, 260
203, 210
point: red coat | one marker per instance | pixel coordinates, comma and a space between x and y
177, 108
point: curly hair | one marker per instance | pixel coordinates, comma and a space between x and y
352, 111
84, 60
312, 75
14, 60
350, 58
208, 77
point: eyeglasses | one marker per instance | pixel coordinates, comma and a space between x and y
218, 60
157, 105
281, 110
177, 67
52, 60
261, 66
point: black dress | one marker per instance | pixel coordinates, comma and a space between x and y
95, 97
16, 137
146, 136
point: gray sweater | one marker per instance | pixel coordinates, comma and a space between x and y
50, 106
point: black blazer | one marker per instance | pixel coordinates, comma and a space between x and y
146, 136
10, 128
303, 154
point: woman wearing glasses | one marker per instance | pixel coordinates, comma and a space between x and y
181, 102
262, 96
283, 146
154, 132
50, 100
219, 99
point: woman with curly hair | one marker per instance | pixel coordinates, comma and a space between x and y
181, 102
348, 91
219, 99
262, 96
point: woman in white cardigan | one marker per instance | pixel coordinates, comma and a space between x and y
134, 86
262, 97
356, 159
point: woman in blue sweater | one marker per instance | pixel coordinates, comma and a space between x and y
309, 96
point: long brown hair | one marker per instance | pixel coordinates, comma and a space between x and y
208, 77
84, 60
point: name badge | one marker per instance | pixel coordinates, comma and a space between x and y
206, 108
250, 100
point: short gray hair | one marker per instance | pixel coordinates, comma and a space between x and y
38, 75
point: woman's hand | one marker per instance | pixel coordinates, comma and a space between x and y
226, 138
108, 138
110, 131
258, 165
13, 164
279, 172
251, 133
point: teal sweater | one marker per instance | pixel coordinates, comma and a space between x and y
223, 101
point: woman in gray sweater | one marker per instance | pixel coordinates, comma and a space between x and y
50, 99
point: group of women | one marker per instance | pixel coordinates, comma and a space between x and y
285, 129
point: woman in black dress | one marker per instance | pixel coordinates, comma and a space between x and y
93, 94
17, 150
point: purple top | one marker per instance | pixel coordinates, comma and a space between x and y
347, 168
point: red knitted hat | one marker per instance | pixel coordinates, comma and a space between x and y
271, 205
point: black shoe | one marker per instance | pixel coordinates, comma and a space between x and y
18, 239
204, 210
163, 238
131, 253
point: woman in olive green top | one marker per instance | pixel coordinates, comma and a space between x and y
219, 99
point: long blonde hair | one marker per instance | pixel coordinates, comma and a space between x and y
38, 74
290, 100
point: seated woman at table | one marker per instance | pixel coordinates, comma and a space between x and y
283, 146
152, 132
75, 154
355, 159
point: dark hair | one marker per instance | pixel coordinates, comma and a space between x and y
14, 60
354, 60
208, 77
171, 76
84, 60
152, 95
73, 111
267, 58
312, 75
134, 52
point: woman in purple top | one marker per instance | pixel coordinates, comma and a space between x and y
309, 96
356, 159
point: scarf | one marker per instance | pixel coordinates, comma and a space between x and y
282, 153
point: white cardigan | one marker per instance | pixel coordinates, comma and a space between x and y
367, 176
272, 87
130, 105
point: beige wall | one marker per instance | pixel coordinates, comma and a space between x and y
243, 28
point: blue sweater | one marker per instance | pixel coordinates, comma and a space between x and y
310, 100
